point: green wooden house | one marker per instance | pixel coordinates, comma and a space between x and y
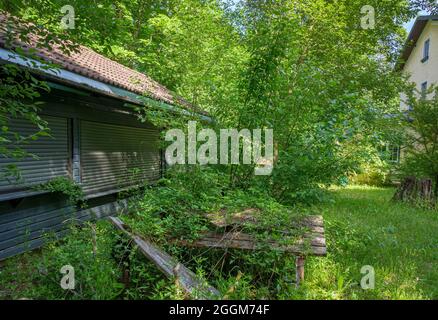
96, 140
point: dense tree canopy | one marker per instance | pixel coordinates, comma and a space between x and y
308, 69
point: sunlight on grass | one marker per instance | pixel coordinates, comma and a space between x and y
363, 227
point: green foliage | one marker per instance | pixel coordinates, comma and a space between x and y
375, 172
303, 68
362, 228
175, 208
287, 65
39, 276
371, 175
65, 186
20, 90
316, 90
421, 128
357, 219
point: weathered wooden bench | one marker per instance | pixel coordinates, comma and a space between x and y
311, 242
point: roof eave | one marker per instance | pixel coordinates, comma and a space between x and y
84, 83
411, 41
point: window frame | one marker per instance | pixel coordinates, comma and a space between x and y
426, 50
27, 188
423, 89
394, 150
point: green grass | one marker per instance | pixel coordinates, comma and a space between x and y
363, 227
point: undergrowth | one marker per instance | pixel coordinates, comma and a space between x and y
176, 208
362, 228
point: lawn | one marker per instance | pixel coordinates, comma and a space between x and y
363, 227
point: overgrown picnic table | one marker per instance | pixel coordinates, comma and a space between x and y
229, 235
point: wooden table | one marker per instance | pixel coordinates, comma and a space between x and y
310, 243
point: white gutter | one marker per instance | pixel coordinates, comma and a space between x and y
82, 81
62, 74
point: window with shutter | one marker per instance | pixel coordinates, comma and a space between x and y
115, 157
48, 157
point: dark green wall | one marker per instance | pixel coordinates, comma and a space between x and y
28, 221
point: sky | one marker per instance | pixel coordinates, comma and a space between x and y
408, 25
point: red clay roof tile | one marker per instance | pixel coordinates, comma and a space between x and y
86, 62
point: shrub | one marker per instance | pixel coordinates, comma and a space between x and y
371, 174
96, 272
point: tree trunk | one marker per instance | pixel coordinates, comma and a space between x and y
425, 190
436, 188
406, 189
416, 190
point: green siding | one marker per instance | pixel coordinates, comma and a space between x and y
93, 131
37, 219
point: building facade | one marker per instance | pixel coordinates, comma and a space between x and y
420, 54
96, 140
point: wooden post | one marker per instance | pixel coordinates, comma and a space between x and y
299, 264
93, 239
187, 280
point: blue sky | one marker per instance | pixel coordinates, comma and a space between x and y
408, 26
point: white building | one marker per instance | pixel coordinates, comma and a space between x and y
420, 54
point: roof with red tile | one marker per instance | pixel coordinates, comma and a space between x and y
84, 61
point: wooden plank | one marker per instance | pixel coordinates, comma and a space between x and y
314, 245
316, 231
53, 226
30, 207
315, 224
247, 245
189, 282
315, 240
222, 219
29, 245
313, 221
20, 231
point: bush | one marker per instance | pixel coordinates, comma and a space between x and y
96, 272
421, 129
175, 209
371, 174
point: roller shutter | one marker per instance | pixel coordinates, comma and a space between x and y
52, 155
114, 157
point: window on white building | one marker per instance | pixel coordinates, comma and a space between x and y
423, 89
426, 50
394, 153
